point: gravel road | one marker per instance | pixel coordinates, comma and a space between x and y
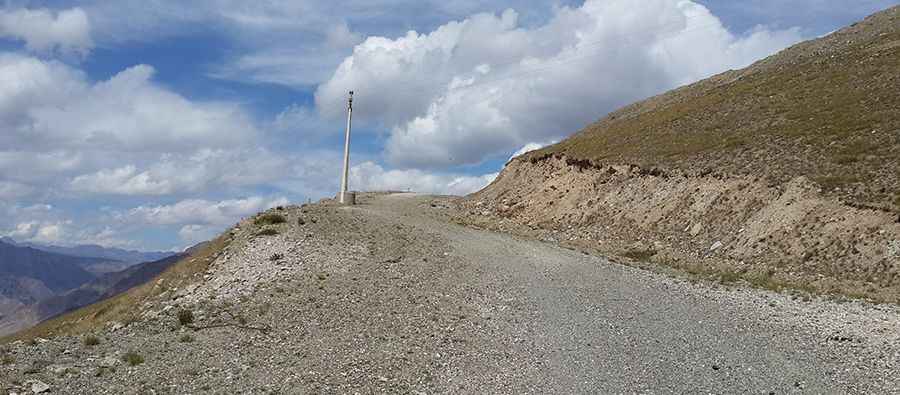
391, 296
574, 323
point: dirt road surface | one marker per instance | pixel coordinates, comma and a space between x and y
391, 296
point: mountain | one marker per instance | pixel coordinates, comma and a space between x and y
55, 271
96, 251
103, 287
826, 110
28, 275
784, 174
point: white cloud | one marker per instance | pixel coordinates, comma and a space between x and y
186, 173
126, 135
480, 87
124, 181
46, 31
193, 234
369, 176
49, 105
530, 147
201, 212
39, 231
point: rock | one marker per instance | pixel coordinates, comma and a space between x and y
38, 387
58, 370
108, 362
695, 230
715, 246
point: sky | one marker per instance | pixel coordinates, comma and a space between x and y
155, 125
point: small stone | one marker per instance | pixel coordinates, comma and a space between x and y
38, 387
715, 246
695, 230
58, 370
109, 362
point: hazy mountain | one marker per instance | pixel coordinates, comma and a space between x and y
103, 287
96, 251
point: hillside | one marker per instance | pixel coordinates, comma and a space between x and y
826, 110
57, 272
390, 296
101, 288
784, 175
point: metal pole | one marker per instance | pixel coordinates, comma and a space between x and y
347, 150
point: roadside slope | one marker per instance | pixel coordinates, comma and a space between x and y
784, 174
392, 297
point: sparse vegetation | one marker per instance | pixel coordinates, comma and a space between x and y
6, 359
270, 219
186, 338
121, 307
641, 255
91, 340
185, 317
276, 256
268, 232
132, 358
833, 111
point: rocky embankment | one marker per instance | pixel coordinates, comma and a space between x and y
730, 227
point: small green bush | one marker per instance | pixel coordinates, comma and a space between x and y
185, 317
268, 232
270, 219
91, 340
132, 358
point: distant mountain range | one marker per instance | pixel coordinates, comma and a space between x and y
103, 287
38, 282
96, 251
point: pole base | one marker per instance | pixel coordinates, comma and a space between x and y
347, 198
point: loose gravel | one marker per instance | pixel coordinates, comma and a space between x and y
391, 297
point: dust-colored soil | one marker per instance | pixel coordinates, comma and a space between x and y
392, 296
728, 227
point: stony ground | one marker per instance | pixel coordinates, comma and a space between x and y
392, 297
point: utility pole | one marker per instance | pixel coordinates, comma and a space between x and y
347, 197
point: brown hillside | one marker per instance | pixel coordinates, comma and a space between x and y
828, 109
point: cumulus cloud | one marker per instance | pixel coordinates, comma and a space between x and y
482, 86
201, 212
125, 135
530, 147
46, 31
369, 176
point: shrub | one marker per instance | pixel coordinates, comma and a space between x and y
276, 256
185, 317
186, 338
7, 359
270, 219
132, 358
91, 340
268, 232
641, 255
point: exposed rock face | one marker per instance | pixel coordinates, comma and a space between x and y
773, 235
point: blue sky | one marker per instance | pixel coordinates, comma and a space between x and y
157, 124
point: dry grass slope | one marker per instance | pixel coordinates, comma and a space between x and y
828, 109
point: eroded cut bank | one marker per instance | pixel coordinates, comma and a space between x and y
732, 227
